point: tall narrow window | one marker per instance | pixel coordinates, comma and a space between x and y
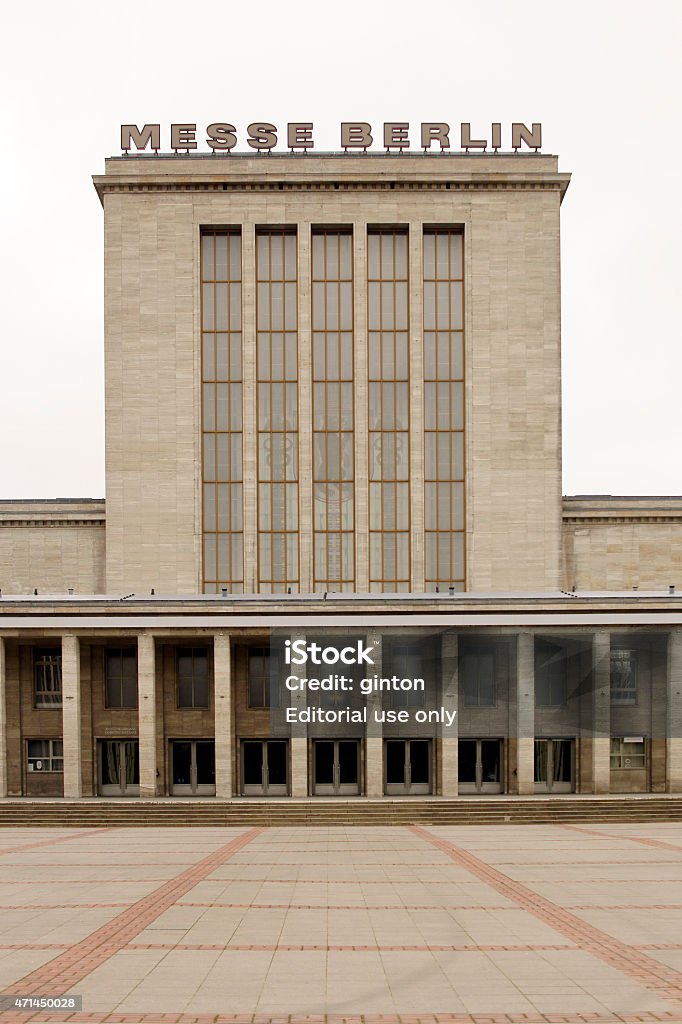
389, 411
333, 495
443, 410
222, 411
277, 375
47, 677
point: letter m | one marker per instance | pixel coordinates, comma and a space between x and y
140, 138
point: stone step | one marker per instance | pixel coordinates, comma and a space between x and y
470, 811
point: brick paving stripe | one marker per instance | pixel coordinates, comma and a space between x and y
64, 971
665, 981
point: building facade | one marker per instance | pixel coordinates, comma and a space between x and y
333, 414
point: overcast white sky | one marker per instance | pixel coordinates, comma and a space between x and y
603, 76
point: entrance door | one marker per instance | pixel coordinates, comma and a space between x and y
408, 767
554, 766
193, 768
264, 768
119, 767
480, 766
336, 767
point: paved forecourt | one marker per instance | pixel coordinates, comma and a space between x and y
551, 923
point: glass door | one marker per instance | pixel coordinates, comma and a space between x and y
336, 767
193, 768
555, 766
407, 767
480, 766
264, 768
119, 767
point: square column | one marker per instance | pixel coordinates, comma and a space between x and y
374, 740
146, 701
600, 759
71, 717
525, 714
299, 733
449, 742
3, 721
222, 674
673, 761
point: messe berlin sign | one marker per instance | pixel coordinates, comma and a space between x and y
436, 136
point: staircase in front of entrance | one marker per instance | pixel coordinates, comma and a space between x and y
28, 812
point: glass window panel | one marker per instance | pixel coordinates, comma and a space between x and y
222, 457
332, 356
236, 507
235, 307
442, 256
291, 364
442, 306
346, 256
429, 256
291, 406
209, 457
290, 311
374, 356
222, 494
444, 555
276, 306
429, 306
221, 307
401, 363
346, 393
332, 306
235, 357
208, 357
388, 359
318, 256
290, 256
374, 306
332, 247
319, 359
456, 248
388, 306
346, 306
265, 556
430, 506
456, 300
209, 556
318, 307
292, 507
209, 507
235, 420
401, 307
457, 405
223, 557
209, 406
263, 356
403, 506
401, 256
373, 256
208, 319
276, 356
346, 353
389, 555
402, 407
263, 307
221, 348
235, 256
207, 257
263, 256
276, 257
